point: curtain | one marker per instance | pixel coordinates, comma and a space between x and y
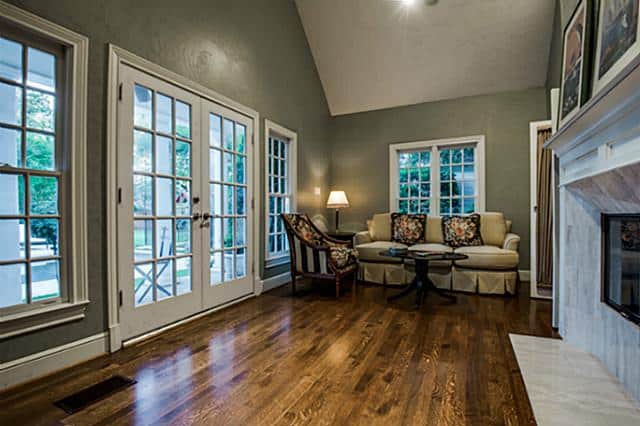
544, 237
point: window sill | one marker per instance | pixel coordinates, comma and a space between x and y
278, 261
36, 319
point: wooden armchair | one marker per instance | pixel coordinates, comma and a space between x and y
316, 255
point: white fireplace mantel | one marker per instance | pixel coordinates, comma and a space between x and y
605, 134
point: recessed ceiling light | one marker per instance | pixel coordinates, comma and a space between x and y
408, 2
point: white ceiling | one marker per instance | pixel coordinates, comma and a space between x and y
374, 54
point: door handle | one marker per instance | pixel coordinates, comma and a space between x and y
196, 217
205, 219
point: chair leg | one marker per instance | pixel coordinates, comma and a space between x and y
293, 283
337, 288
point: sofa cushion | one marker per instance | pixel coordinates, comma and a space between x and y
462, 231
408, 228
380, 227
493, 228
434, 230
431, 247
371, 251
488, 258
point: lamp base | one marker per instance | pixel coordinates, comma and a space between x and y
337, 219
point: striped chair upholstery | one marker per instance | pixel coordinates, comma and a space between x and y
315, 254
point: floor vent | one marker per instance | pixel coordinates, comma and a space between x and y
84, 398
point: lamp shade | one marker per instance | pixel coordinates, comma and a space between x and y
337, 200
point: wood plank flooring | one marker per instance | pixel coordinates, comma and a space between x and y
312, 359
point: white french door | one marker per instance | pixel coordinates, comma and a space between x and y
227, 173
184, 223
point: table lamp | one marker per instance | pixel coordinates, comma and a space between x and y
337, 200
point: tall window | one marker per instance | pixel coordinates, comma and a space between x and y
43, 78
30, 123
443, 177
281, 186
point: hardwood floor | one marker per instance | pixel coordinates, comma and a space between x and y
312, 359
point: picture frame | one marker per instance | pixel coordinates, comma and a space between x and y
576, 61
617, 39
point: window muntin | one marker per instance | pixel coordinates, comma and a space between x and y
31, 172
279, 196
437, 177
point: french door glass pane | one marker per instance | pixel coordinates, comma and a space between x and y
183, 275
227, 163
162, 182
164, 114
164, 155
143, 107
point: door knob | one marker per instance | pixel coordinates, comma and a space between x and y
205, 219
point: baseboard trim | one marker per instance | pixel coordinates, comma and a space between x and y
276, 281
525, 275
31, 367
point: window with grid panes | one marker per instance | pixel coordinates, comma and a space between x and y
437, 179
414, 182
458, 188
279, 190
32, 94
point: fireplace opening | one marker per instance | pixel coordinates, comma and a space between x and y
621, 269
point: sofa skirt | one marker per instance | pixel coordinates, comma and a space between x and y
455, 278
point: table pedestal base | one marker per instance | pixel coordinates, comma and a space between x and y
421, 284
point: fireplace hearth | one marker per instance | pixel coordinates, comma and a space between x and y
621, 264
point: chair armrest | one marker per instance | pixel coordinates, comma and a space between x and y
362, 238
511, 242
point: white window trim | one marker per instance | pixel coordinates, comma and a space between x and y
78, 291
271, 128
396, 148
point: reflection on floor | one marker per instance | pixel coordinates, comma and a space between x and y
312, 359
567, 386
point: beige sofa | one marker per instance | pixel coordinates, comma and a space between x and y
490, 269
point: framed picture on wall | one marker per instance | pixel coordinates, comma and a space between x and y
576, 52
617, 39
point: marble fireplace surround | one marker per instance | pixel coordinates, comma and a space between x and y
585, 321
598, 171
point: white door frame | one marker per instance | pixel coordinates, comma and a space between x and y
534, 127
119, 56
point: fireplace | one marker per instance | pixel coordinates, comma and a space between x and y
621, 268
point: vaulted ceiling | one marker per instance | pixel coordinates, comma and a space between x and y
375, 54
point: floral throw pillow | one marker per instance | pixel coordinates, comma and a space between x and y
408, 228
462, 231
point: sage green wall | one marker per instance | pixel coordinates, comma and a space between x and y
254, 52
360, 151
